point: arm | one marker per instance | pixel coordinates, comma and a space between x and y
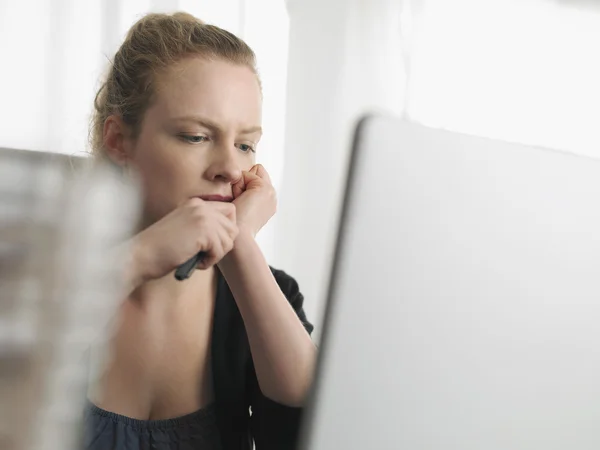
135, 266
194, 226
282, 351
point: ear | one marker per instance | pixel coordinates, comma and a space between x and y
116, 142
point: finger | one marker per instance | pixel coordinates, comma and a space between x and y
229, 225
209, 260
194, 201
222, 245
225, 231
249, 177
261, 172
238, 187
231, 213
227, 209
206, 263
227, 239
241, 186
214, 253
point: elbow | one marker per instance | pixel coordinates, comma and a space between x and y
292, 389
292, 397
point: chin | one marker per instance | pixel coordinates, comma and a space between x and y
150, 216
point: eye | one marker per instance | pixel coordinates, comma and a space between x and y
246, 148
193, 138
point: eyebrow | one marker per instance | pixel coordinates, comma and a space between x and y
214, 126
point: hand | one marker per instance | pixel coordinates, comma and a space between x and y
255, 199
195, 226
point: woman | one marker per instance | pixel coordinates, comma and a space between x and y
224, 357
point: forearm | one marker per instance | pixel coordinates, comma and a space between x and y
283, 353
134, 262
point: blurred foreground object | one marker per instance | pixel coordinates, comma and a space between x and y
59, 284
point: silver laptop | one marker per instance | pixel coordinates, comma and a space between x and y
464, 309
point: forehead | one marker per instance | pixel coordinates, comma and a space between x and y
229, 94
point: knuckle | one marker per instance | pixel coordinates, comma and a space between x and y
204, 240
194, 202
198, 210
200, 220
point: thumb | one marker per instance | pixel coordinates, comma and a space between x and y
238, 187
245, 181
250, 177
261, 172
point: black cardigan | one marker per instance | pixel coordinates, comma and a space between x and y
271, 425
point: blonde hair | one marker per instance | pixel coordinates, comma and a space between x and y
154, 43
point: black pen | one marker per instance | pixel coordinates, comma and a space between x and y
185, 270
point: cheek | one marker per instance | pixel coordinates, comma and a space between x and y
156, 158
162, 170
247, 161
151, 161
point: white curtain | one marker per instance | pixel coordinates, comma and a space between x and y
345, 59
519, 70
53, 53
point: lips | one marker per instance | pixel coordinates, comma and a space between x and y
216, 198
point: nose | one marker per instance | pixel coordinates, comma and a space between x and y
224, 165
